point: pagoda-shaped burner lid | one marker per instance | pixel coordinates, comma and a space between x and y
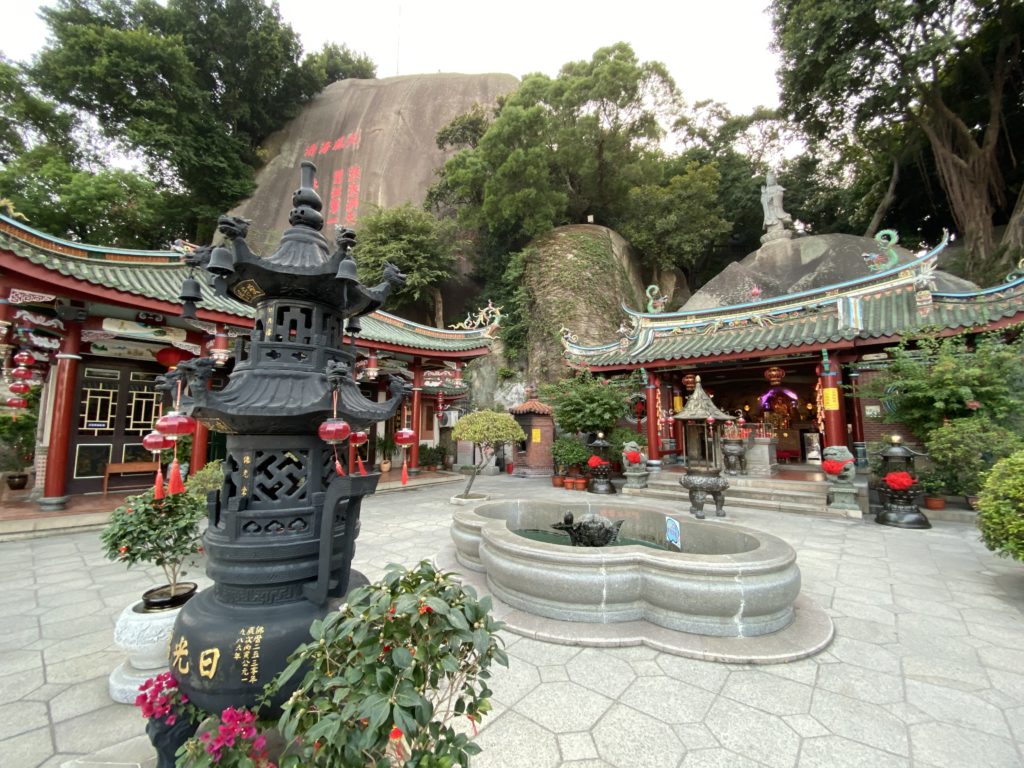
700, 407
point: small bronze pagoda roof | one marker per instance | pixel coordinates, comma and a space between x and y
699, 407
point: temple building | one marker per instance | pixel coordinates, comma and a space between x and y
103, 323
789, 364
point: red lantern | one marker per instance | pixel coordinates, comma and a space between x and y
741, 421
24, 358
689, 381
175, 424
169, 357
358, 438
405, 437
21, 373
20, 388
17, 402
156, 442
334, 431
775, 375
711, 419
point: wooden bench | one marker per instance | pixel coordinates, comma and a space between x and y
125, 468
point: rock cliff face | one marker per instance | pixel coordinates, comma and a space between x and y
578, 277
372, 142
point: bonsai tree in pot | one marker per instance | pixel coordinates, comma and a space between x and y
488, 430
568, 452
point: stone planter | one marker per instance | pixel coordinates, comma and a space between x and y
17, 481
636, 478
144, 633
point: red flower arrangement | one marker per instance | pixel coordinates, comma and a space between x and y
633, 457
834, 466
595, 461
899, 481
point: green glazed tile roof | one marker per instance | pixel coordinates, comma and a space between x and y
159, 274
880, 306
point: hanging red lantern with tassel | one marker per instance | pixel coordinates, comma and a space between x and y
17, 402
22, 373
334, 431
20, 388
357, 439
405, 437
175, 424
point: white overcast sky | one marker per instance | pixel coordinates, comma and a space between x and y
713, 48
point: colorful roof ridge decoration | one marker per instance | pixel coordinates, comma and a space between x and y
882, 305
158, 275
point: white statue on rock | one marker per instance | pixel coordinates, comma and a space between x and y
775, 216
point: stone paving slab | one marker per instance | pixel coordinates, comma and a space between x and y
925, 671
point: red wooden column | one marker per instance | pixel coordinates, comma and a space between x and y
678, 432
417, 408
201, 439
653, 438
55, 485
831, 401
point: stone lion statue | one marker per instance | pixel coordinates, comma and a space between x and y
629, 447
840, 453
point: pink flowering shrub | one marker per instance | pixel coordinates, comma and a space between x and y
160, 698
236, 740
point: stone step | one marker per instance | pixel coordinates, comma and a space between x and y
803, 505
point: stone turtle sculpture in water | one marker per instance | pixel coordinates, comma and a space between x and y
592, 530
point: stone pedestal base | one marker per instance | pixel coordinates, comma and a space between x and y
144, 635
902, 516
636, 479
844, 497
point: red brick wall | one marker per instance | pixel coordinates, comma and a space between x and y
875, 427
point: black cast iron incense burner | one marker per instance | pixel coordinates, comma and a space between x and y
282, 528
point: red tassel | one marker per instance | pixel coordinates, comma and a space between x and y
338, 469
405, 472
158, 486
359, 463
174, 483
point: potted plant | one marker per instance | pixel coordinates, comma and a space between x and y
162, 532
386, 447
17, 443
394, 678
488, 430
570, 453
933, 483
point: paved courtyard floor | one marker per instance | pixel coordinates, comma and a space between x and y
926, 669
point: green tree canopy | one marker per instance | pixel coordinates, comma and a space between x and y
585, 403
193, 85
417, 243
930, 380
949, 68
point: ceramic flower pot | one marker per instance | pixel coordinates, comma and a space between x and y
935, 502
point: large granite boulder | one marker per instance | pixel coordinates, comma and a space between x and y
373, 144
801, 264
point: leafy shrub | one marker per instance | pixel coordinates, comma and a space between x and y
569, 452
588, 404
209, 478
963, 449
385, 679
1001, 508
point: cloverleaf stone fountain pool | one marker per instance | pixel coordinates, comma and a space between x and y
707, 589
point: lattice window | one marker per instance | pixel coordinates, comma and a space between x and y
98, 409
279, 477
294, 324
142, 411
